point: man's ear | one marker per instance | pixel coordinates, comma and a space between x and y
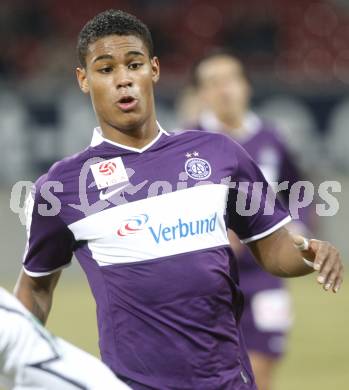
155, 67
82, 80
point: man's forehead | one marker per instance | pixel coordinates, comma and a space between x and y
116, 45
224, 64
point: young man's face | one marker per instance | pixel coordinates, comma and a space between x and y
119, 76
223, 86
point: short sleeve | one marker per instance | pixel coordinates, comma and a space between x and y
253, 210
50, 243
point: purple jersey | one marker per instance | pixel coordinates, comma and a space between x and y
148, 227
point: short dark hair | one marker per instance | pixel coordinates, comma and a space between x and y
112, 22
214, 53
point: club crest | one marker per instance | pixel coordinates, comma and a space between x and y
198, 168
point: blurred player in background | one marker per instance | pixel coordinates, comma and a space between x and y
156, 255
224, 92
31, 358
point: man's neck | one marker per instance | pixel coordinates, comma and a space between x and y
136, 137
233, 125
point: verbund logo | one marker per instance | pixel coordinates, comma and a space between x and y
132, 225
107, 168
180, 230
183, 229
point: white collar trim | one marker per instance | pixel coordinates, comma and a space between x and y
97, 139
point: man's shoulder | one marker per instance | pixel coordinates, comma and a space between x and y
199, 134
62, 169
270, 132
68, 164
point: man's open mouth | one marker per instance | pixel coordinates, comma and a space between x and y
127, 103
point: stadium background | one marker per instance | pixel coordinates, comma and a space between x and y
297, 55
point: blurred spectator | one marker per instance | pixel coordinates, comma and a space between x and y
224, 92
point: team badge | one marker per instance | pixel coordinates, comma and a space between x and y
197, 168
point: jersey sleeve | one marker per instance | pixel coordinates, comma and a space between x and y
253, 210
50, 243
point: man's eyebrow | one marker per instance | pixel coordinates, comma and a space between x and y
103, 57
110, 57
134, 53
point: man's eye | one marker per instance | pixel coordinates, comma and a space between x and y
106, 69
135, 65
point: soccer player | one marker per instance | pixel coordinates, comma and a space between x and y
145, 212
31, 358
224, 93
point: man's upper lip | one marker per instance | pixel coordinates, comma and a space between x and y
122, 97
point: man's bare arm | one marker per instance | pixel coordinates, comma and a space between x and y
36, 293
278, 254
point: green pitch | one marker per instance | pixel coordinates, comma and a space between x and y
318, 357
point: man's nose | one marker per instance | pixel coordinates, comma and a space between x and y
123, 79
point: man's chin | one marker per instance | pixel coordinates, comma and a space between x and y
129, 124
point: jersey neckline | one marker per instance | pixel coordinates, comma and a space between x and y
97, 139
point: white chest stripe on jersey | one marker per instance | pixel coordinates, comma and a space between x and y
165, 225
